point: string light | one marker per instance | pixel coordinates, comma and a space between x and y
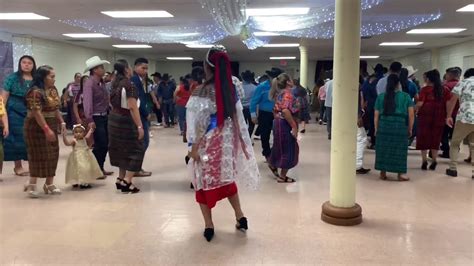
230, 19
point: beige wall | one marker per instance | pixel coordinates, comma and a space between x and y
461, 55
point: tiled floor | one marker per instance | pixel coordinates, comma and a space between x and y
427, 221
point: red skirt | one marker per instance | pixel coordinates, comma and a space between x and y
211, 197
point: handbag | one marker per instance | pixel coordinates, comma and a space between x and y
124, 102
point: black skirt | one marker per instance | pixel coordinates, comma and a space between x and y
125, 150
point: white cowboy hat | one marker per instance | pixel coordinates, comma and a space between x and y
411, 71
94, 61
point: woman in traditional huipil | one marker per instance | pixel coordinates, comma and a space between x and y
221, 149
285, 150
126, 149
41, 125
14, 89
394, 117
432, 112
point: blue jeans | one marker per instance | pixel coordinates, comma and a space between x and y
146, 132
181, 110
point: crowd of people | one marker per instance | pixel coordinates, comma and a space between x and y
218, 114
395, 109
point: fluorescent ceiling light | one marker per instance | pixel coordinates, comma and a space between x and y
435, 31
277, 45
179, 58
401, 43
131, 46
369, 56
276, 11
199, 46
266, 33
21, 16
468, 8
282, 57
86, 35
138, 14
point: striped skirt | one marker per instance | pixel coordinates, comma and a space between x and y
14, 146
125, 150
391, 148
43, 155
285, 150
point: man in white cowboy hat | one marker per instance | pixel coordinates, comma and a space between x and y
411, 71
96, 105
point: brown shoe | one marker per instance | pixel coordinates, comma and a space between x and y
142, 173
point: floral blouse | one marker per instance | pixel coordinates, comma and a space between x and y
46, 100
286, 100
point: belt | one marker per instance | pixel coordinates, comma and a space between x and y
100, 114
44, 113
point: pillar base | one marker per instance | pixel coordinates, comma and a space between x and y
341, 216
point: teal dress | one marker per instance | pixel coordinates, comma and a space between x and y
391, 147
14, 145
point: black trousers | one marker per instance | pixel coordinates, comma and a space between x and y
329, 117
248, 120
168, 111
322, 111
447, 135
265, 123
101, 139
371, 115
159, 115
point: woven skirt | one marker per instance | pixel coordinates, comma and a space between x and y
285, 150
14, 146
391, 148
42, 155
125, 150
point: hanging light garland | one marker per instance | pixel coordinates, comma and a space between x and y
230, 19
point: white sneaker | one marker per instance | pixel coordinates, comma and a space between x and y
151, 135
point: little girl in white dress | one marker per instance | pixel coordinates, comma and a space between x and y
82, 167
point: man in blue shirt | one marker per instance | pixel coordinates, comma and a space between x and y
395, 68
166, 95
139, 79
265, 110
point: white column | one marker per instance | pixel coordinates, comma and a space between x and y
303, 65
341, 208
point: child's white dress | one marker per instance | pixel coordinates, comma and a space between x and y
82, 166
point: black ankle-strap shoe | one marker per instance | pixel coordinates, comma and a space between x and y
209, 234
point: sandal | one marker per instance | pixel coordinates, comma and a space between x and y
383, 177
129, 188
274, 170
286, 179
21, 173
403, 178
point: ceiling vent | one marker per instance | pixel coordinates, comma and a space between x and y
366, 37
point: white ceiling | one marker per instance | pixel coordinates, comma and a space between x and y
189, 12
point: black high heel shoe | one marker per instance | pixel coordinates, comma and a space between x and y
242, 224
129, 188
209, 234
433, 165
424, 166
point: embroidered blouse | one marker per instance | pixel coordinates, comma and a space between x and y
45, 100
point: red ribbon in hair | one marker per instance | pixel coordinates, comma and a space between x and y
216, 59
